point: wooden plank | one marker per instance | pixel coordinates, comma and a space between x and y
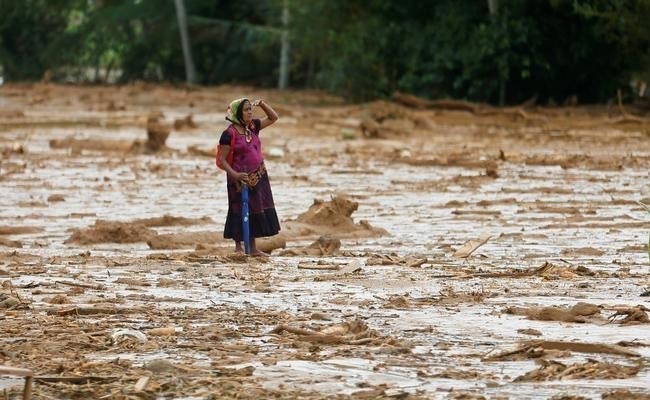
27, 373
141, 383
470, 246
13, 371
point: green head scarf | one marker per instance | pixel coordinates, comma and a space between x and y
233, 109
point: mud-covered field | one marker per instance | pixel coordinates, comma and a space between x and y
429, 250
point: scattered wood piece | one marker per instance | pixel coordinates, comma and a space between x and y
309, 335
132, 281
352, 333
628, 119
416, 263
592, 369
13, 371
515, 274
633, 343
76, 380
625, 116
26, 373
159, 366
471, 246
535, 349
347, 270
319, 267
624, 394
529, 331
141, 383
632, 315
580, 347
410, 100
245, 371
517, 113
164, 331
8, 302
384, 259
92, 311
95, 286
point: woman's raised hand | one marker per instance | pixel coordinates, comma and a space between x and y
256, 103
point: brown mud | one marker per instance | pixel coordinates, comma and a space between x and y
429, 249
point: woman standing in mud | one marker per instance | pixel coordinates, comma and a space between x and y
241, 158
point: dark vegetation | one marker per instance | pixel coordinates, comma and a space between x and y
499, 51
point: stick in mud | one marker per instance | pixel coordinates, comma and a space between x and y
601, 348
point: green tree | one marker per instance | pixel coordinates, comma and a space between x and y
31, 33
503, 51
623, 24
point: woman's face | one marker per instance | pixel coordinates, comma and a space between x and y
247, 113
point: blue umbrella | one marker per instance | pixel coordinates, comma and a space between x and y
244, 219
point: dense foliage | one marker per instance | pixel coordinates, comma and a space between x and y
361, 49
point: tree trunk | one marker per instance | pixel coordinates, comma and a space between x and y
493, 5
310, 71
107, 76
190, 74
502, 92
283, 79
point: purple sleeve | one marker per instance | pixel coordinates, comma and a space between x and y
225, 138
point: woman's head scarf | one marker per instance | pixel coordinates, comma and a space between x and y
233, 111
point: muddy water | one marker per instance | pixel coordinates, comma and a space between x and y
430, 190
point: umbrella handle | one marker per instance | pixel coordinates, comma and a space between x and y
244, 219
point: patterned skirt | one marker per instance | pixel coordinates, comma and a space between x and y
263, 220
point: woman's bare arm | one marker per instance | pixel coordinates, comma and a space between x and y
271, 115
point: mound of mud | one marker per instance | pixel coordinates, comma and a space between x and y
577, 313
335, 213
19, 230
184, 123
10, 243
170, 220
592, 369
333, 218
111, 232
99, 145
324, 246
138, 231
157, 134
381, 120
184, 240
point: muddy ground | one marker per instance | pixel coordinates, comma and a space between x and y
429, 249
